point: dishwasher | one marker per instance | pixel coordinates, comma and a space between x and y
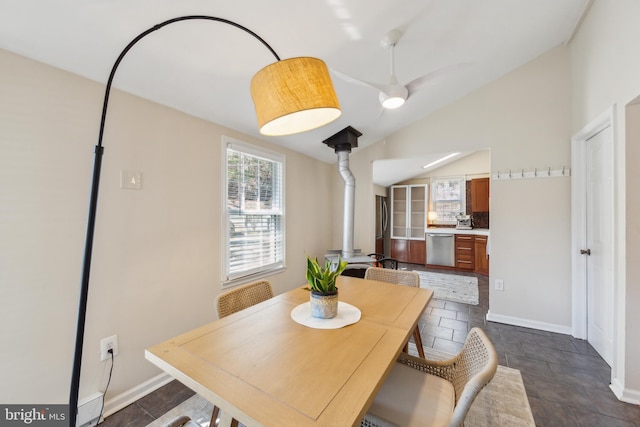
441, 249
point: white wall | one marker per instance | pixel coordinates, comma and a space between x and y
630, 337
379, 190
605, 67
157, 252
524, 119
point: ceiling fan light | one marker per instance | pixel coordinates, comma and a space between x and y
294, 95
394, 96
393, 102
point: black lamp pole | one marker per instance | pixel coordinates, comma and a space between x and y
93, 203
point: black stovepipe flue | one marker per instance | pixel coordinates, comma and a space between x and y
93, 204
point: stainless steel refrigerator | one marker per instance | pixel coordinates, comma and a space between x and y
382, 226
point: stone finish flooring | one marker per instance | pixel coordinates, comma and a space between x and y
567, 382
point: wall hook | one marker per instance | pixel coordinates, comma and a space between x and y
532, 173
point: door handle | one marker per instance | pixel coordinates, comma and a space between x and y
585, 251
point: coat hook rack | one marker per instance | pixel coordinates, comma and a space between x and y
522, 173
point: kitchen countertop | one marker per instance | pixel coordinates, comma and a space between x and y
443, 230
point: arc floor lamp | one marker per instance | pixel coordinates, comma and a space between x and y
290, 96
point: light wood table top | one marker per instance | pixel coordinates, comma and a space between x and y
262, 368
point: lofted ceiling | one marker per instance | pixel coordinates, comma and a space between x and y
204, 68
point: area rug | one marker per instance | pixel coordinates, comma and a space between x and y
196, 407
451, 287
503, 402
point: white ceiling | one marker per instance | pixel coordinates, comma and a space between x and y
204, 68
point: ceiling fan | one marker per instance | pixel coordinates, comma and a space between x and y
393, 94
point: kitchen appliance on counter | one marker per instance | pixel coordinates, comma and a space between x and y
463, 222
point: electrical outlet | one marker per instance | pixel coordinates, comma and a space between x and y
106, 344
499, 285
131, 180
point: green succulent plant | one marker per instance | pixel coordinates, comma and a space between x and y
323, 279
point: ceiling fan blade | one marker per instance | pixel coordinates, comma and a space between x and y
353, 80
429, 78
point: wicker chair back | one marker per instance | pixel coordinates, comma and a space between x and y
399, 277
243, 296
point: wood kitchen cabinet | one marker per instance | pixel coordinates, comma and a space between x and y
470, 253
480, 195
465, 251
412, 251
417, 252
480, 255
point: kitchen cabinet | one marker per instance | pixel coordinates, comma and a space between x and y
408, 211
417, 251
465, 251
412, 251
480, 195
408, 221
480, 255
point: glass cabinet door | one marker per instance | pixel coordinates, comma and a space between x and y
418, 205
409, 211
399, 212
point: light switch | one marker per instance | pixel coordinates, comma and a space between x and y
131, 180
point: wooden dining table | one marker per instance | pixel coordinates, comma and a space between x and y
262, 368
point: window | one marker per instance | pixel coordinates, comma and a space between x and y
448, 198
254, 214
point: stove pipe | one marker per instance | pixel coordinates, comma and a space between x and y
342, 142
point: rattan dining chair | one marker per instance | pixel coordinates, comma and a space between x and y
439, 393
399, 277
243, 297
238, 299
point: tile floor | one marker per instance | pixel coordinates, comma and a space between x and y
567, 382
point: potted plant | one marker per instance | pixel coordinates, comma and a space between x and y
322, 281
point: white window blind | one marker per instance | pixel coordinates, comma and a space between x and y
255, 211
448, 198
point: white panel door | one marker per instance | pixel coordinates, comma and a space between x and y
599, 238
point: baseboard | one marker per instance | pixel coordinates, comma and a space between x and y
128, 397
89, 410
625, 394
527, 323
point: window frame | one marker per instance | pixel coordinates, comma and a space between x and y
231, 279
433, 202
